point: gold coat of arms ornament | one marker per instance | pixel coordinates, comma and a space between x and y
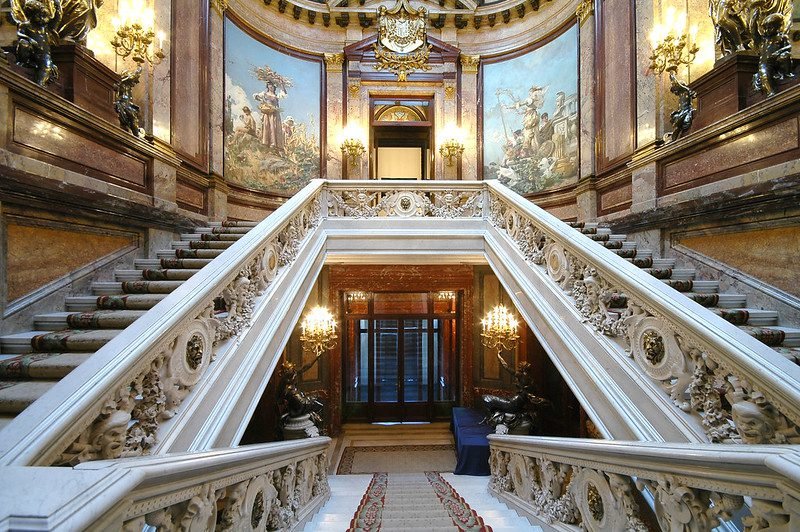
402, 40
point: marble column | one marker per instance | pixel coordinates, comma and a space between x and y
469, 116
586, 194
335, 108
357, 119
648, 85
450, 122
216, 82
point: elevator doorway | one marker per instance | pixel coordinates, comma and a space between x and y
400, 355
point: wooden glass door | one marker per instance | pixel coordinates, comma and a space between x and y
400, 356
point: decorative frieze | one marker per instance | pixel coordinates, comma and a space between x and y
363, 203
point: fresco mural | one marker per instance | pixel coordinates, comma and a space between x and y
530, 117
272, 116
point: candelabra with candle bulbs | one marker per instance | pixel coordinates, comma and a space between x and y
452, 145
134, 38
672, 48
499, 330
301, 413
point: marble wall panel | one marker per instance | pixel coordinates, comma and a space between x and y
238, 211
735, 156
66, 147
770, 255
190, 196
564, 212
38, 255
616, 198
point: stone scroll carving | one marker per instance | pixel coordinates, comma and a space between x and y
265, 499
592, 498
364, 203
695, 377
128, 419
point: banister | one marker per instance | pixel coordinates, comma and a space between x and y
84, 406
592, 483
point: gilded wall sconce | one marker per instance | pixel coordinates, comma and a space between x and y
318, 331
451, 145
672, 47
352, 146
134, 38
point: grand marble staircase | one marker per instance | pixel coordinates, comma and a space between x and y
33, 361
759, 323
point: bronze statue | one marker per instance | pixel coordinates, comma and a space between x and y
37, 21
730, 24
775, 55
293, 402
682, 117
79, 17
127, 111
517, 415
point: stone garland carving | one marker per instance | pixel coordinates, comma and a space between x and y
129, 418
731, 410
266, 500
598, 500
404, 204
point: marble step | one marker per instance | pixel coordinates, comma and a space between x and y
107, 288
220, 237
41, 365
677, 274
16, 396
57, 341
747, 316
233, 223
202, 244
688, 285
101, 319
189, 253
5, 420
113, 302
775, 336
791, 354
227, 230
147, 264
177, 264
154, 274
726, 301
663, 263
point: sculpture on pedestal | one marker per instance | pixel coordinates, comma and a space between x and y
301, 413
37, 21
517, 415
126, 109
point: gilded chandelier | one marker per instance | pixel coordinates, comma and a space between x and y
499, 330
318, 331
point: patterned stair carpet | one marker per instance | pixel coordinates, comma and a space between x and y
397, 459
414, 501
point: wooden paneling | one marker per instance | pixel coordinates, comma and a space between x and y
189, 82
616, 93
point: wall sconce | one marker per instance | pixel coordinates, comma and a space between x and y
452, 144
318, 331
672, 47
499, 330
352, 144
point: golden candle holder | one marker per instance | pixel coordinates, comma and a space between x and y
318, 331
499, 330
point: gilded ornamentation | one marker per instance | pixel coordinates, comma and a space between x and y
470, 63
354, 87
220, 5
449, 91
401, 46
79, 17
584, 10
653, 347
334, 62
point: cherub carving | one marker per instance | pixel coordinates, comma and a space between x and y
37, 21
127, 111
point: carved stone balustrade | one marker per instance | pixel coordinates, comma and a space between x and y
574, 484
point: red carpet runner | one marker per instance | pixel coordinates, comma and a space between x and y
369, 516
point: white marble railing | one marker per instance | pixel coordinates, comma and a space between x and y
596, 485
275, 486
113, 405
174, 379
740, 388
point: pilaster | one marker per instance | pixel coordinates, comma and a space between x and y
469, 116
334, 80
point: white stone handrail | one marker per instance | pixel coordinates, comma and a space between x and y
574, 484
112, 405
689, 350
274, 486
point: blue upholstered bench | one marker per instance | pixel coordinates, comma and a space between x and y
472, 447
